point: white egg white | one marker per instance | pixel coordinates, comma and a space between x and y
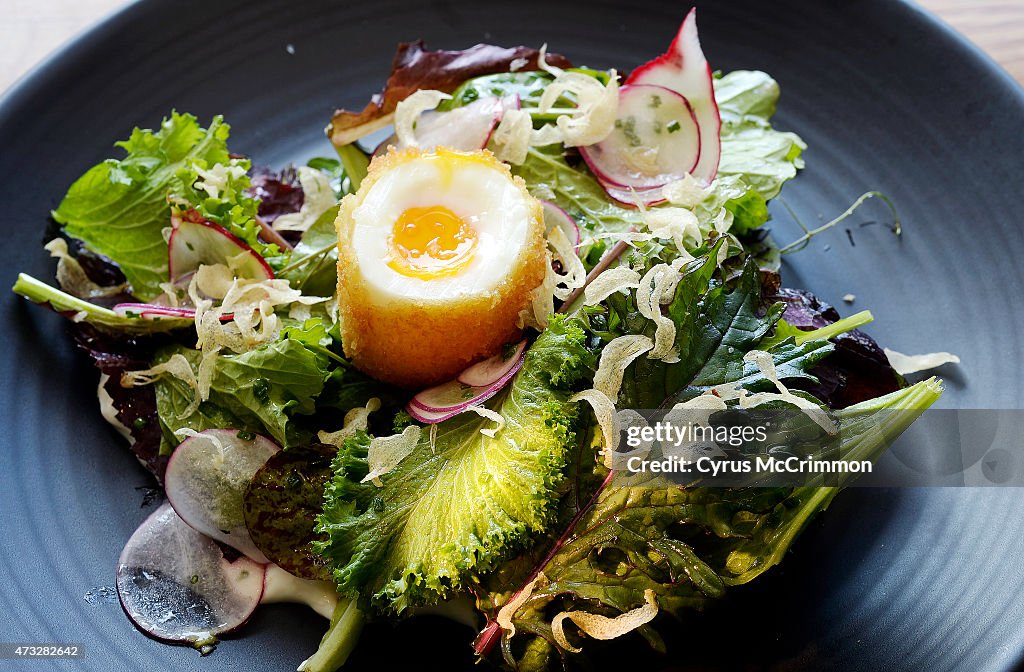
481, 195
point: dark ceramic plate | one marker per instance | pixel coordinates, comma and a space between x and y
886, 98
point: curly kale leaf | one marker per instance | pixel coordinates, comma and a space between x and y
463, 504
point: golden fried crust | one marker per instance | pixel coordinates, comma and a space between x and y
416, 344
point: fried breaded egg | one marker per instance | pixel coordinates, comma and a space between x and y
438, 254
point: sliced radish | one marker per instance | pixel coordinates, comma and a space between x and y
431, 417
193, 243
175, 583
629, 196
492, 369
513, 102
684, 69
556, 216
206, 480
463, 129
449, 399
149, 310
153, 311
656, 140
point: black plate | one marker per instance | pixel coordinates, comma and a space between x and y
885, 97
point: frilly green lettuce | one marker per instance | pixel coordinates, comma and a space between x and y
462, 502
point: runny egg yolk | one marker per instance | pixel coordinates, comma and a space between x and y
430, 242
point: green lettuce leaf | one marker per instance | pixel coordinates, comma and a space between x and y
119, 208
688, 545
225, 201
550, 178
313, 266
716, 325
752, 150
465, 503
260, 390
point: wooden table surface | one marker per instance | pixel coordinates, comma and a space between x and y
31, 29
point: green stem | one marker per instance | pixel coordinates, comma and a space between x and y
339, 641
836, 328
801, 242
62, 302
304, 259
355, 163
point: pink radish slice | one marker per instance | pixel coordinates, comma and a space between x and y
684, 70
193, 243
556, 216
656, 140
145, 309
631, 197
431, 417
449, 399
153, 311
206, 480
175, 583
513, 102
463, 129
492, 369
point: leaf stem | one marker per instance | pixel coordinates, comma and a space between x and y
801, 242
304, 259
488, 637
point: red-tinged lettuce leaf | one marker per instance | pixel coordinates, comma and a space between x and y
278, 192
113, 354
856, 370
415, 67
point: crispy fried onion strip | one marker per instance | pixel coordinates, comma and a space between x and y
603, 627
616, 356
687, 192
676, 224
575, 273
764, 362
356, 420
907, 364
505, 614
488, 414
386, 452
542, 301
555, 285
607, 420
655, 290
250, 305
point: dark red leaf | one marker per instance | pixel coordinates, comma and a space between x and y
414, 68
857, 370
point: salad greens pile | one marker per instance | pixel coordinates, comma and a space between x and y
528, 519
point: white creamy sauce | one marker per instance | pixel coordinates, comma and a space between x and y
280, 586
